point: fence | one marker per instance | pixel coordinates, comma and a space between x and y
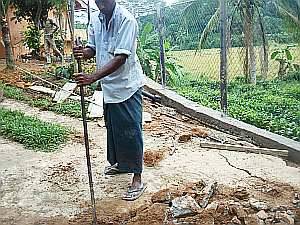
204, 44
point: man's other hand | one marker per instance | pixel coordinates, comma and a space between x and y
84, 79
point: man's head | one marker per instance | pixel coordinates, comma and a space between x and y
105, 6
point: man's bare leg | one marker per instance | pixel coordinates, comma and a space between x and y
136, 181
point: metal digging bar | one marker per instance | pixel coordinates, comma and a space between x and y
86, 142
85, 128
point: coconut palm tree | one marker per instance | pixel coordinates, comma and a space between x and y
290, 10
4, 4
249, 12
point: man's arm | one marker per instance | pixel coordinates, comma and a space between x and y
123, 49
112, 66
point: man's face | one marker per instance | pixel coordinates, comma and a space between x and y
100, 4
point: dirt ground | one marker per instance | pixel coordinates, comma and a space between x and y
52, 188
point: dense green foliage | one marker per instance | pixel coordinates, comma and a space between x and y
272, 105
183, 27
30, 131
149, 55
36, 11
33, 39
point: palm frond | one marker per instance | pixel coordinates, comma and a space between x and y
6, 5
212, 24
285, 12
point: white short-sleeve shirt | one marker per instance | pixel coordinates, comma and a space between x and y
119, 38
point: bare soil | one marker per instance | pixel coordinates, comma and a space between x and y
52, 188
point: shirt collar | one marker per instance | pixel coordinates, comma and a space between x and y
102, 16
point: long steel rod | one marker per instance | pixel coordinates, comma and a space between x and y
84, 121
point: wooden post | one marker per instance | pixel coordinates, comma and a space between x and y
161, 45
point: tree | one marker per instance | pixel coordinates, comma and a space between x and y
249, 11
36, 11
4, 4
290, 11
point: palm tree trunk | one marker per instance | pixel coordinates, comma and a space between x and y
10, 63
250, 58
247, 44
251, 46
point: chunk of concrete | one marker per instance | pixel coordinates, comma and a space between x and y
42, 89
65, 92
262, 215
95, 109
258, 205
184, 206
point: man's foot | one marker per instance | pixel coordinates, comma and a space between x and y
136, 188
136, 181
111, 170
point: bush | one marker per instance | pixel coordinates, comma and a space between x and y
33, 39
271, 105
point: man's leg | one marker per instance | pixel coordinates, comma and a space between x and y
126, 121
47, 51
111, 152
55, 49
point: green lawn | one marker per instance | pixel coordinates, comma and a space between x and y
271, 105
30, 131
207, 62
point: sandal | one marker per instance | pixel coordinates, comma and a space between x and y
133, 194
112, 170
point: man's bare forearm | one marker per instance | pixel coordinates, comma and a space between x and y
112, 66
88, 53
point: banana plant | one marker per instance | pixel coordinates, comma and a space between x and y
284, 56
149, 56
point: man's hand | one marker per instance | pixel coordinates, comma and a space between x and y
84, 79
78, 53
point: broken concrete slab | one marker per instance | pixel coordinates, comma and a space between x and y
42, 89
95, 109
217, 120
65, 92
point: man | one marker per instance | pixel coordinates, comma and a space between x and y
112, 37
49, 43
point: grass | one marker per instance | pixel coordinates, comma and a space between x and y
69, 107
208, 62
271, 105
31, 132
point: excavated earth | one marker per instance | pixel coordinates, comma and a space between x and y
52, 188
